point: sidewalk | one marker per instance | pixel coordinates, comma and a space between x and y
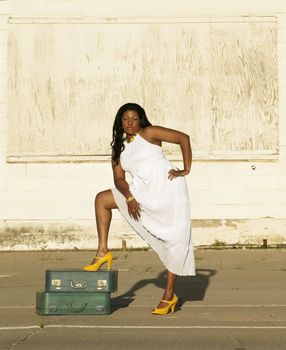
237, 300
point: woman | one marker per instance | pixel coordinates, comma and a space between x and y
156, 203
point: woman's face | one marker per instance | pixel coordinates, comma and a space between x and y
130, 122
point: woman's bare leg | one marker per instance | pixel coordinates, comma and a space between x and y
169, 290
104, 203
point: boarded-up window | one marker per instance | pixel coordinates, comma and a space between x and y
216, 81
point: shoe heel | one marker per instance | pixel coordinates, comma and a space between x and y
109, 264
95, 266
173, 308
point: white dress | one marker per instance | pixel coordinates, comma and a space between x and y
165, 209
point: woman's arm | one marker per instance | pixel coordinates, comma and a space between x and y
119, 180
122, 185
157, 135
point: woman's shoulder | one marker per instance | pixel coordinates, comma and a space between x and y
150, 130
149, 133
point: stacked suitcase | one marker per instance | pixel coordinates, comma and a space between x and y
74, 291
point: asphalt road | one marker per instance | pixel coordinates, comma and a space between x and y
237, 301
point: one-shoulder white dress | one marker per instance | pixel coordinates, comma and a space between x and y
165, 222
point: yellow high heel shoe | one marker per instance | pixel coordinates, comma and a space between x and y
100, 261
165, 310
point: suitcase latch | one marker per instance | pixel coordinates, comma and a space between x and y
101, 284
57, 283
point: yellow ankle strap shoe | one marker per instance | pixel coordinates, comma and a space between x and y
165, 310
99, 261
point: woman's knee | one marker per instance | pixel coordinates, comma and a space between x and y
99, 198
105, 199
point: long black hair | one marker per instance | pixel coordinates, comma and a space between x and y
117, 133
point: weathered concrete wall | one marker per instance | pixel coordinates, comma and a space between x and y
75, 235
238, 198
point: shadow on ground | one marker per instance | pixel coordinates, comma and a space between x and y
188, 288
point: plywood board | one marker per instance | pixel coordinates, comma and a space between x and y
215, 81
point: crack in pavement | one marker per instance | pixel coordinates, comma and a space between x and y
33, 332
21, 341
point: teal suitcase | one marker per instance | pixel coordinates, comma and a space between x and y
76, 280
72, 303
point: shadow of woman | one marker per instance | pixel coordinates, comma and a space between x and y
188, 288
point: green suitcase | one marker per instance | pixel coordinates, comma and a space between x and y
72, 303
75, 280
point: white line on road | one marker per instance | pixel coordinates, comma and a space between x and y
222, 305
18, 307
18, 328
185, 305
3, 276
141, 327
167, 327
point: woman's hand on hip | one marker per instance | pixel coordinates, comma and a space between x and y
173, 173
134, 209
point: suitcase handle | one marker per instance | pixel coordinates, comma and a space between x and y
77, 309
78, 285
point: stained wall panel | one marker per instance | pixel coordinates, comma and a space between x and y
215, 81
243, 83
